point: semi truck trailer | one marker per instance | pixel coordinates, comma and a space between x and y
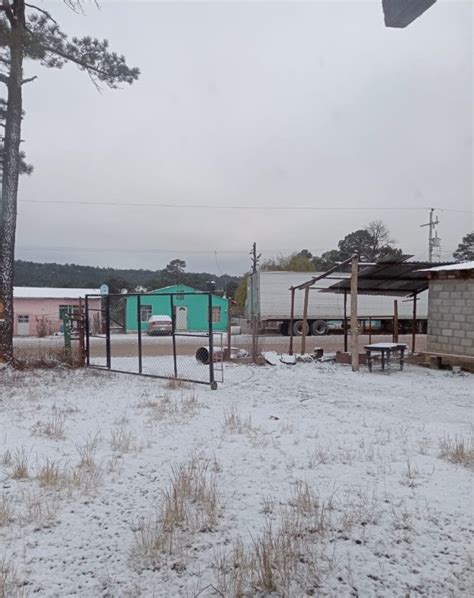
269, 302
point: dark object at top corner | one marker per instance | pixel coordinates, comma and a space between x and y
400, 13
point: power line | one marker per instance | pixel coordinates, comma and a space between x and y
243, 207
154, 250
157, 250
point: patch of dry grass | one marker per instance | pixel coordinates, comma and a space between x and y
39, 508
6, 510
174, 408
46, 356
87, 451
51, 474
458, 450
19, 465
7, 458
174, 383
285, 559
236, 424
189, 505
121, 439
11, 585
53, 427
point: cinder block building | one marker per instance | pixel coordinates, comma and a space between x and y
451, 310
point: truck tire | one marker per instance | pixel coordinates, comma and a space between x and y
319, 328
284, 328
298, 328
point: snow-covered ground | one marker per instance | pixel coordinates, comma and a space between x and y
336, 483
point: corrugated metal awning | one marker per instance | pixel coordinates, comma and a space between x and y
399, 278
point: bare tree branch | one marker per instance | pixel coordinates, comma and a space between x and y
42, 11
29, 79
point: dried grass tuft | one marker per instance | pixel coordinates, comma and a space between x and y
11, 585
7, 511
19, 465
236, 424
458, 450
53, 427
121, 439
51, 474
285, 559
190, 504
168, 407
87, 450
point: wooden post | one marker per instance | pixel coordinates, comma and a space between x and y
354, 321
395, 321
413, 332
345, 321
370, 330
305, 320
292, 317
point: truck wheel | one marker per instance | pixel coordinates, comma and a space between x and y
284, 328
298, 328
319, 328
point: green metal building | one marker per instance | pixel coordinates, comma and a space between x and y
191, 311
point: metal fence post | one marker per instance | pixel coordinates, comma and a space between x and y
67, 336
173, 332
292, 317
229, 330
211, 343
413, 332
139, 330
107, 331
88, 357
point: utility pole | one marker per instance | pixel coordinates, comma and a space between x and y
255, 257
433, 240
253, 282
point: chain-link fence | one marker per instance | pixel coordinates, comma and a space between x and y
164, 335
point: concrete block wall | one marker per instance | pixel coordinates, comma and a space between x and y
451, 316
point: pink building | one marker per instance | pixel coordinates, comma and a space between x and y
40, 310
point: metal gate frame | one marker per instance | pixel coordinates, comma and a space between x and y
105, 309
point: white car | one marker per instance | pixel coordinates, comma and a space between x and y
159, 325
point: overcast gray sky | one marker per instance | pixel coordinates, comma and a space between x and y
265, 104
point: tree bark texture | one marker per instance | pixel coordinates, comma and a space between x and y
11, 171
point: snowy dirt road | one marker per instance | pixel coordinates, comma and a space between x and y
297, 480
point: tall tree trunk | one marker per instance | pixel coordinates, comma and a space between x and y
8, 206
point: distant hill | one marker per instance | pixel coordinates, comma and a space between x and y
34, 274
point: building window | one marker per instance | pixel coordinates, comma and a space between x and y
216, 314
145, 313
67, 309
179, 296
23, 319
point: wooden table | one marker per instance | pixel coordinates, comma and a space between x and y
386, 350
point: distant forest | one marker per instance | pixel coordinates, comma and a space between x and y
34, 274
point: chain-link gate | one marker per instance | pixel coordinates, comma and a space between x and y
163, 335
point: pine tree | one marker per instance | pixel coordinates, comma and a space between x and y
465, 249
30, 32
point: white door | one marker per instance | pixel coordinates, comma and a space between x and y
23, 325
181, 318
